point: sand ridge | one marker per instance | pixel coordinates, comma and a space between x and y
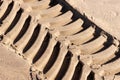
105, 13
56, 43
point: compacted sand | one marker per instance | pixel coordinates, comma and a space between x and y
12, 66
104, 13
49, 40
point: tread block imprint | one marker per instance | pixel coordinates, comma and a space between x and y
58, 44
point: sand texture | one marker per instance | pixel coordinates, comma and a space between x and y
50, 40
12, 66
105, 13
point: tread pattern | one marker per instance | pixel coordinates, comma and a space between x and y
57, 46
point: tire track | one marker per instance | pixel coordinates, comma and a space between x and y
84, 47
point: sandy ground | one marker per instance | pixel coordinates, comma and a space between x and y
104, 13
12, 66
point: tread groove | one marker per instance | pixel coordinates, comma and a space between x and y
16, 19
33, 38
42, 48
64, 66
24, 29
7, 11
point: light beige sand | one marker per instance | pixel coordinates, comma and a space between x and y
72, 49
12, 66
104, 13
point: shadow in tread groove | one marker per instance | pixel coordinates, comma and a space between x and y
64, 66
1, 3
53, 3
52, 58
107, 44
7, 11
117, 56
91, 76
33, 39
42, 48
78, 71
16, 19
96, 35
24, 29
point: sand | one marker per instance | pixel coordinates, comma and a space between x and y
54, 45
12, 66
104, 13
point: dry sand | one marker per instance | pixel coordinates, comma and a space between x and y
12, 66
61, 53
104, 13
